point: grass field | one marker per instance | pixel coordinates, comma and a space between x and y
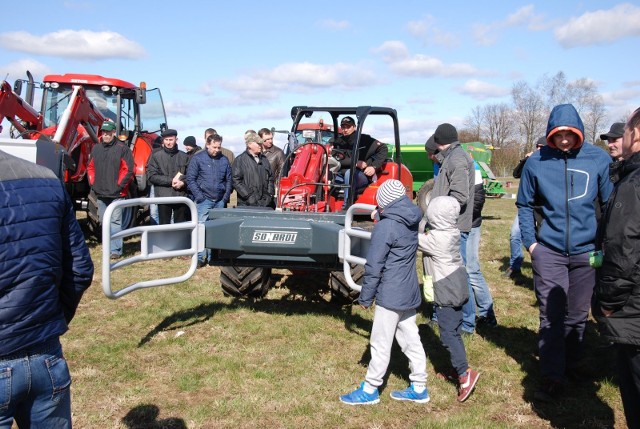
185, 356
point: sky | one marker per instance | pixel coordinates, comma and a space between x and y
242, 65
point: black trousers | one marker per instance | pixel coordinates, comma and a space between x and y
181, 213
629, 381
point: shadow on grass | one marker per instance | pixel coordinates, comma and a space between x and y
579, 406
296, 301
146, 417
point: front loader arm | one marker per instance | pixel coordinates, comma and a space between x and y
80, 111
17, 111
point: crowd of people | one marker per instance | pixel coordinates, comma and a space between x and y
577, 217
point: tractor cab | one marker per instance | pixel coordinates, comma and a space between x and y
309, 178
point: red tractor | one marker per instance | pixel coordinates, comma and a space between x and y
72, 109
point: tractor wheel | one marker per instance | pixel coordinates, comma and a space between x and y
245, 281
423, 194
339, 287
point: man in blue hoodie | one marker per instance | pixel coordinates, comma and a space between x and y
565, 184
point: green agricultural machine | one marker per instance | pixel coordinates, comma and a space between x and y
422, 169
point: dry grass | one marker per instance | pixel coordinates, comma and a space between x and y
185, 356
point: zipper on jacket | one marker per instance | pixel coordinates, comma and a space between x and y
567, 236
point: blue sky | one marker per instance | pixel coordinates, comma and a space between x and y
244, 64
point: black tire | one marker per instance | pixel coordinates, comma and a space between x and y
245, 281
339, 287
423, 194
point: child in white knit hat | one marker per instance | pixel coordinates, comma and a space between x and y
390, 278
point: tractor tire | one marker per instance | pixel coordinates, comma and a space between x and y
424, 195
245, 281
339, 286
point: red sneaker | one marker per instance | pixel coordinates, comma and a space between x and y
467, 384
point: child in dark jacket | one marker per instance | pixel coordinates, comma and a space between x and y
390, 278
443, 262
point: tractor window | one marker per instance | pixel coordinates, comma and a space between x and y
106, 102
153, 118
55, 101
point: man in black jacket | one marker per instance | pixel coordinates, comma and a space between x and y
616, 303
251, 175
166, 169
110, 171
371, 154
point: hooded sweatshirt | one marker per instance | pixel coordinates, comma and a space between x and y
390, 272
441, 247
566, 189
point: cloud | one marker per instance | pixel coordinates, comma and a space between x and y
487, 34
425, 29
298, 77
332, 24
81, 44
401, 62
18, 69
482, 90
600, 27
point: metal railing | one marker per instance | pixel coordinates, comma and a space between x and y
348, 245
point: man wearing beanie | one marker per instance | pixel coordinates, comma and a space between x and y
190, 146
562, 184
456, 179
390, 278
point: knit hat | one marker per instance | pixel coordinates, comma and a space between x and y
189, 141
616, 131
108, 126
390, 191
445, 134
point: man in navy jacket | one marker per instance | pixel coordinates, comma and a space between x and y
45, 267
565, 183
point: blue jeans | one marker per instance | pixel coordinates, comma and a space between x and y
35, 388
361, 182
515, 242
153, 209
483, 298
468, 309
116, 223
203, 215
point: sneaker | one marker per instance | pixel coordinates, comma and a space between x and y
202, 264
467, 383
549, 391
114, 256
360, 397
409, 394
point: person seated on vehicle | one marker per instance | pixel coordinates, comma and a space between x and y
371, 154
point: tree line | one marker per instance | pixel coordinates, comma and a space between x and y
513, 128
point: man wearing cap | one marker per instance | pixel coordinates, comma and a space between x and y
251, 175
456, 179
110, 171
616, 304
166, 169
562, 184
371, 154
614, 140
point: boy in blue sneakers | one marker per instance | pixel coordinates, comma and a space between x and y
390, 278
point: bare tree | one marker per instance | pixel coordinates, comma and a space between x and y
530, 113
473, 124
497, 122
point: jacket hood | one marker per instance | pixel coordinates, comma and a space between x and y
402, 210
565, 117
443, 212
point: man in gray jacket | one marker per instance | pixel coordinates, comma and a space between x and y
456, 179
